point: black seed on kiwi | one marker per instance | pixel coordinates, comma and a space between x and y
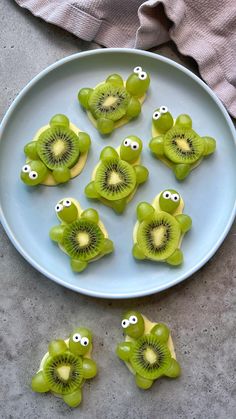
183, 145
63, 372
159, 236
58, 147
115, 179
109, 101
83, 240
150, 358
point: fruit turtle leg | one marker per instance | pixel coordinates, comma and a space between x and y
73, 399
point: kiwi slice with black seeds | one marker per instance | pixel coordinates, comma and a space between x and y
183, 145
109, 101
115, 179
150, 358
83, 239
63, 373
159, 237
58, 147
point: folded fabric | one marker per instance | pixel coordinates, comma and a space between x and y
204, 30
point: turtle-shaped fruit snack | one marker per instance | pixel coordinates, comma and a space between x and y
118, 174
81, 234
160, 228
57, 153
114, 102
176, 144
66, 366
148, 349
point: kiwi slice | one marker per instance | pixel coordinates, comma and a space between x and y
150, 358
109, 101
159, 236
115, 179
58, 147
63, 372
83, 239
183, 145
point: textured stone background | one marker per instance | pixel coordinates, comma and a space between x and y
201, 311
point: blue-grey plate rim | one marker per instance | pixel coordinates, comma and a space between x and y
37, 266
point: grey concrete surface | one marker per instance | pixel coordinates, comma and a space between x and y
201, 311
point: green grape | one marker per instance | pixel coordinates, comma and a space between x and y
33, 173
141, 174
77, 337
105, 125
83, 96
137, 87
166, 201
108, 152
183, 121
181, 170
39, 384
161, 331
115, 79
91, 215
108, 246
134, 108
144, 210
90, 191
30, 150
137, 252
78, 265
69, 213
209, 145
134, 330
59, 120
176, 258
174, 369
143, 383
131, 148
156, 145
61, 174
73, 399
84, 142
164, 122
89, 368
123, 350
185, 222
56, 234
56, 347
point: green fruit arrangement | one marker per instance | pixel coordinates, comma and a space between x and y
176, 144
115, 102
66, 366
160, 228
57, 153
81, 234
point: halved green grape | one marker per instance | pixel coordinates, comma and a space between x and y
80, 341
57, 347
141, 174
176, 258
137, 252
181, 170
209, 145
66, 210
134, 108
83, 96
131, 148
108, 153
105, 125
184, 121
133, 324
144, 210
56, 234
123, 350
90, 191
143, 383
156, 145
61, 174
137, 84
162, 121
59, 120
161, 331
78, 265
108, 246
185, 222
89, 368
174, 369
90, 214
39, 383
30, 150
169, 201
73, 399
84, 142
33, 173
115, 79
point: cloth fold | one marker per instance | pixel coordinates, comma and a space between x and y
206, 31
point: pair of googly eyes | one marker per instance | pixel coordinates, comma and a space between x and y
142, 75
77, 338
173, 196
32, 173
66, 203
126, 322
129, 143
156, 115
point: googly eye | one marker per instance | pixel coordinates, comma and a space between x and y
175, 197
26, 168
134, 145
66, 203
133, 320
163, 109
58, 207
137, 69
127, 142
166, 195
142, 75
125, 323
76, 337
84, 341
156, 115
33, 175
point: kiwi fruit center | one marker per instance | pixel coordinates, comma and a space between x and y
83, 239
63, 372
159, 236
114, 179
108, 101
149, 357
183, 145
58, 147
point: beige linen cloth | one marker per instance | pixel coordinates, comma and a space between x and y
202, 29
